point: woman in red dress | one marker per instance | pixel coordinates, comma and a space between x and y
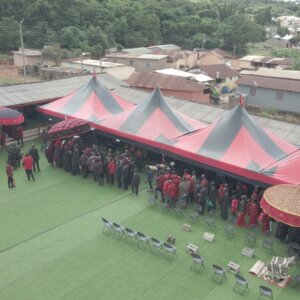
241, 220
253, 213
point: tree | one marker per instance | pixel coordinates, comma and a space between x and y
9, 34
97, 41
237, 31
52, 53
263, 16
71, 37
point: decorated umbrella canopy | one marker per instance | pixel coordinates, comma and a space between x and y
68, 128
10, 116
282, 202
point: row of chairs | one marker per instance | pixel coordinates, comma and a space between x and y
219, 275
142, 239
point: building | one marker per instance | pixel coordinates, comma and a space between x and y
220, 71
155, 58
253, 62
274, 89
119, 71
32, 57
173, 86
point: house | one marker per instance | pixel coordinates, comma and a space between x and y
155, 58
252, 62
197, 77
119, 71
173, 86
31, 57
220, 71
274, 89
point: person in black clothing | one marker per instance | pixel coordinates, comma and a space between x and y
135, 182
34, 153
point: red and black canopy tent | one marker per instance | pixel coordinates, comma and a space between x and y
10, 116
286, 170
234, 144
152, 123
92, 102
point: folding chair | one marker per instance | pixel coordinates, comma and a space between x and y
131, 234
296, 279
264, 291
210, 222
253, 228
232, 220
194, 216
169, 249
179, 207
152, 200
143, 239
198, 261
229, 230
108, 225
268, 244
119, 229
218, 274
157, 244
242, 283
250, 237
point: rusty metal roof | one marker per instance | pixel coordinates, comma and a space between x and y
270, 83
223, 70
167, 82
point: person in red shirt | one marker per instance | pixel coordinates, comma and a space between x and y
111, 170
28, 165
10, 175
19, 135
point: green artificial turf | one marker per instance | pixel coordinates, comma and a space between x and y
52, 245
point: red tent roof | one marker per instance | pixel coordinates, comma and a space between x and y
153, 120
92, 102
285, 170
235, 143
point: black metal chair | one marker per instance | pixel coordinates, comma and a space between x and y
266, 292
198, 261
107, 225
241, 284
169, 249
143, 239
218, 274
157, 244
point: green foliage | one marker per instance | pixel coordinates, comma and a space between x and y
9, 33
95, 25
52, 53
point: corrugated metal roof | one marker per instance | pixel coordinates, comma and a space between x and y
28, 52
137, 51
270, 83
167, 47
43, 91
175, 72
223, 70
274, 73
152, 56
151, 80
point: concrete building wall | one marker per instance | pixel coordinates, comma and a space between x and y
210, 59
29, 60
280, 100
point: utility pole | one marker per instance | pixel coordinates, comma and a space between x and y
22, 46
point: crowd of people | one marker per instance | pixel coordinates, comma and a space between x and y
175, 182
98, 161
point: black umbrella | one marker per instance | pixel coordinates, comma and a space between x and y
10, 116
68, 128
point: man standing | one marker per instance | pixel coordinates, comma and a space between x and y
135, 182
34, 153
10, 175
28, 164
19, 135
